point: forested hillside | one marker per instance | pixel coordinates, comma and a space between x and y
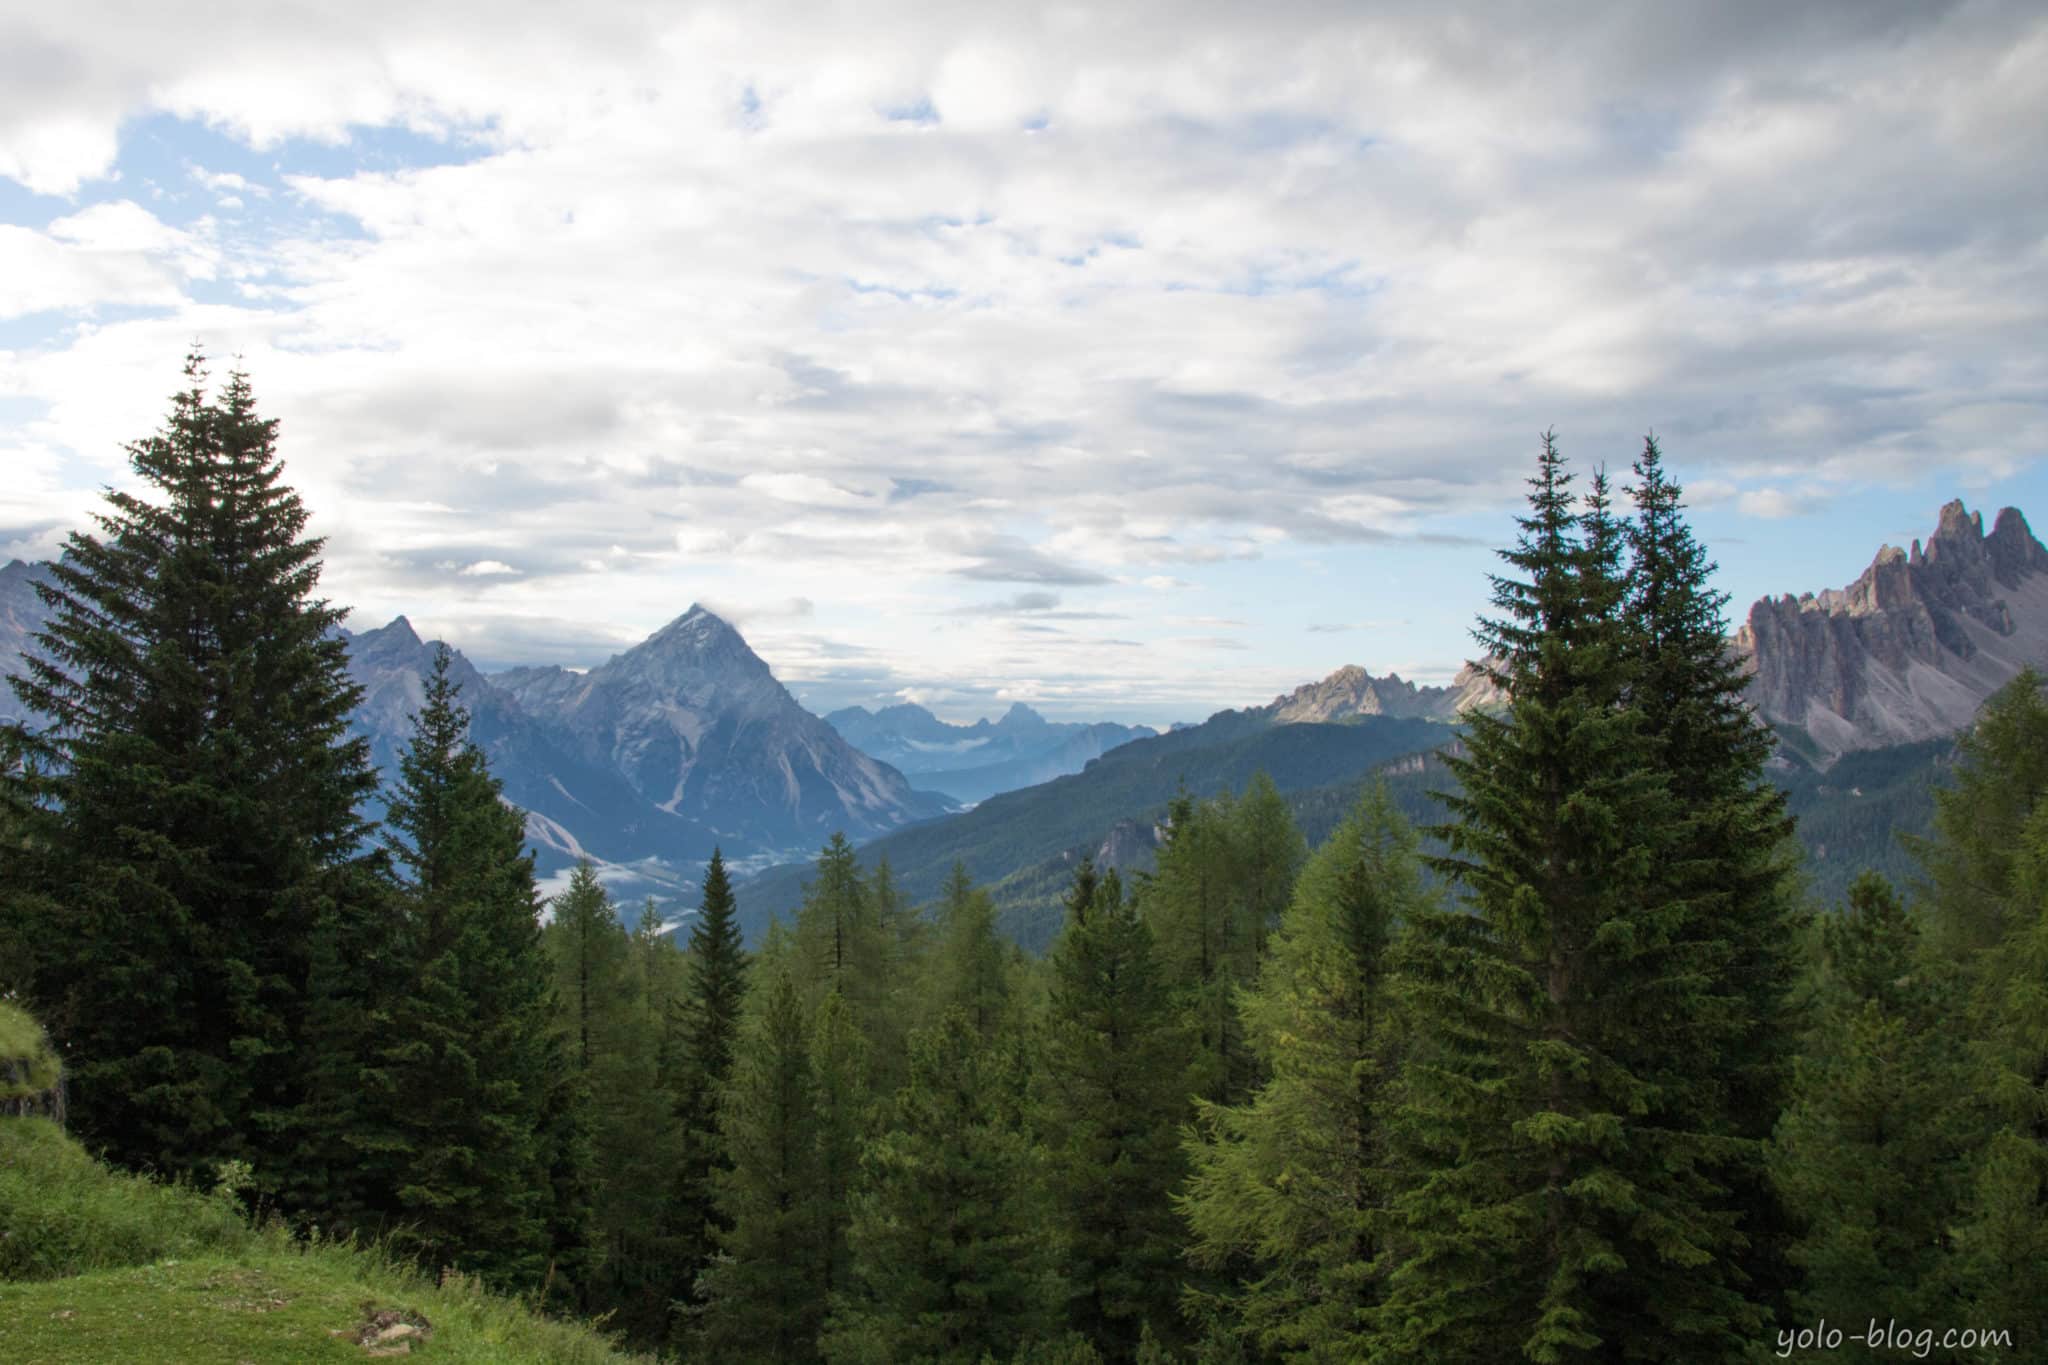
1541, 1049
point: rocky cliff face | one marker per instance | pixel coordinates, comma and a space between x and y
1351, 691
1912, 648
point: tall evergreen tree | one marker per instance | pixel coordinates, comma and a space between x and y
1297, 1181
1110, 1102
1872, 1159
205, 790
613, 1043
1729, 860
476, 1048
1987, 871
970, 965
1555, 1203
1195, 907
708, 1028
763, 1295
950, 1259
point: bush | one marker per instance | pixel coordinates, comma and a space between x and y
62, 1213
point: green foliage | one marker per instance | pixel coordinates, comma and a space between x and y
950, 1257
1110, 1103
2000, 775
706, 1021
1989, 873
96, 1265
628, 1129
764, 1294
475, 1049
1871, 1157
1554, 1124
1225, 871
1294, 1184
1036, 829
202, 788
62, 1213
28, 1064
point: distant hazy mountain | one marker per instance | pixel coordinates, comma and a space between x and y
1111, 808
21, 615
1908, 651
684, 742
1351, 692
699, 729
975, 762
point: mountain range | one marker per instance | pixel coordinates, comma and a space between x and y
1911, 649
974, 762
687, 740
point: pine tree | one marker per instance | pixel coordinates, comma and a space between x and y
1297, 1181
204, 788
970, 965
476, 1049
2000, 778
708, 1027
1194, 906
1110, 1103
950, 1258
764, 1294
1554, 1202
613, 1043
1729, 860
1988, 871
1872, 1158
845, 1118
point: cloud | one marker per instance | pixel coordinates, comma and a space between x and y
1775, 504
485, 568
1005, 559
1167, 303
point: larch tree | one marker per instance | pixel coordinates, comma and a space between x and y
1295, 1183
1110, 1103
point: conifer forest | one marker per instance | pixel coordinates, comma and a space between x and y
1580, 1066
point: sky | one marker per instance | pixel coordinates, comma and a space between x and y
1130, 361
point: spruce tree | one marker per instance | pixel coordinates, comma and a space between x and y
1988, 881
1729, 859
1872, 1158
950, 1258
205, 792
1555, 1202
763, 1295
1295, 1183
476, 1049
1110, 1103
707, 1027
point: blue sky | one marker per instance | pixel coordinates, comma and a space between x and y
1133, 365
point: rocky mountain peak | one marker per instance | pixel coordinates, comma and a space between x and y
1912, 647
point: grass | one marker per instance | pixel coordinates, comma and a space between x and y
96, 1266
26, 1063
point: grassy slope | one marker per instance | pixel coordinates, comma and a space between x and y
97, 1266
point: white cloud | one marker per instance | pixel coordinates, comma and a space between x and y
690, 306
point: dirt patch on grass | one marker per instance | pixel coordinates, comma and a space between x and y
389, 1331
